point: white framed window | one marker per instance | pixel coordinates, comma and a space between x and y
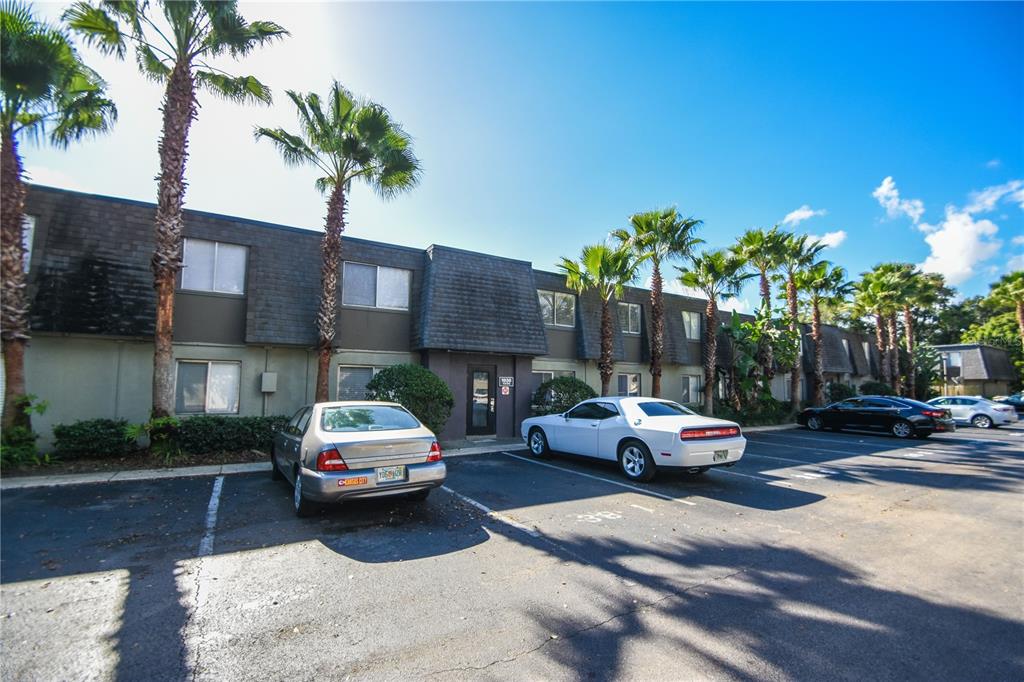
629, 384
693, 389
375, 286
558, 309
629, 318
953, 364
28, 233
207, 387
213, 266
352, 381
691, 325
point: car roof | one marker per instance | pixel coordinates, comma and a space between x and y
353, 403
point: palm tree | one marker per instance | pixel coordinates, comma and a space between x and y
48, 93
717, 274
870, 298
915, 291
607, 271
172, 46
351, 140
823, 284
798, 253
763, 251
1009, 292
659, 236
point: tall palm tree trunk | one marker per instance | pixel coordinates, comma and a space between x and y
1020, 320
894, 354
794, 326
330, 249
766, 353
14, 330
179, 111
657, 329
606, 365
908, 330
883, 349
710, 353
819, 363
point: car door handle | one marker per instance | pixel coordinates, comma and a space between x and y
594, 423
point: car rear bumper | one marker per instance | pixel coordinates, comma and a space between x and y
938, 426
330, 486
1003, 418
703, 453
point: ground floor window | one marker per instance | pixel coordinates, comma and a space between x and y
692, 389
207, 387
352, 381
629, 384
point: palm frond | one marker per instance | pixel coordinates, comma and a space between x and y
293, 149
97, 28
150, 64
234, 88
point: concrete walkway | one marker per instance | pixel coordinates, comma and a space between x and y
474, 447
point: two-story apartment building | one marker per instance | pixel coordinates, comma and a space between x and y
491, 327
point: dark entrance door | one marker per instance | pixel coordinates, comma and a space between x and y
480, 410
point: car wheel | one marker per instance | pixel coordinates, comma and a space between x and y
419, 495
902, 429
303, 505
539, 444
814, 423
275, 473
635, 461
982, 421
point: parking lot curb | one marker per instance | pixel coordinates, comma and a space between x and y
21, 482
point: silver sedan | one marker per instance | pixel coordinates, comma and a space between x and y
342, 450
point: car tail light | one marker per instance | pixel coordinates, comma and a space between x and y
938, 414
330, 459
435, 452
715, 432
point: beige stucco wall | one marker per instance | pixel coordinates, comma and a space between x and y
89, 378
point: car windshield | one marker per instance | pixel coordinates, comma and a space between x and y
367, 418
653, 409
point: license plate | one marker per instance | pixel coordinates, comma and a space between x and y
388, 474
721, 455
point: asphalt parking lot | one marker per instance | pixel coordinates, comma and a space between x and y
846, 556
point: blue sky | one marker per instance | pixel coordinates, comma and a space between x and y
543, 126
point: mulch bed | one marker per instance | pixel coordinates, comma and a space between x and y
144, 459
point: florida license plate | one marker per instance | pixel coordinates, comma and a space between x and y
721, 455
388, 474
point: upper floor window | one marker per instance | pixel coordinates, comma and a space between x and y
213, 266
557, 309
28, 231
691, 325
629, 318
375, 286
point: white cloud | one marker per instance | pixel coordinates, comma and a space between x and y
830, 239
1019, 241
986, 200
959, 244
888, 197
1015, 263
801, 214
740, 305
993, 163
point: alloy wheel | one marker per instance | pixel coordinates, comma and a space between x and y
814, 423
537, 443
982, 421
633, 461
902, 430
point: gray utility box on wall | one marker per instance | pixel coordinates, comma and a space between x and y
268, 382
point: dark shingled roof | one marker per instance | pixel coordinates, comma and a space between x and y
475, 302
835, 358
982, 363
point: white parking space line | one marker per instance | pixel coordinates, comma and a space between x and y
604, 480
206, 544
832, 441
849, 453
501, 518
637, 506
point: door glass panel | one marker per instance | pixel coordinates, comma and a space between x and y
481, 398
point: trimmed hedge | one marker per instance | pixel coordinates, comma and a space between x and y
202, 434
418, 390
876, 388
834, 392
560, 394
91, 438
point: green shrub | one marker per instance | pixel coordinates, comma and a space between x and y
418, 390
766, 411
18, 447
834, 392
876, 388
203, 434
91, 438
560, 394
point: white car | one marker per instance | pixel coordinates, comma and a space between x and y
980, 412
642, 434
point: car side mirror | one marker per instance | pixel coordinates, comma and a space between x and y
565, 416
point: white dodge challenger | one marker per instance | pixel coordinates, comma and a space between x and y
642, 434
